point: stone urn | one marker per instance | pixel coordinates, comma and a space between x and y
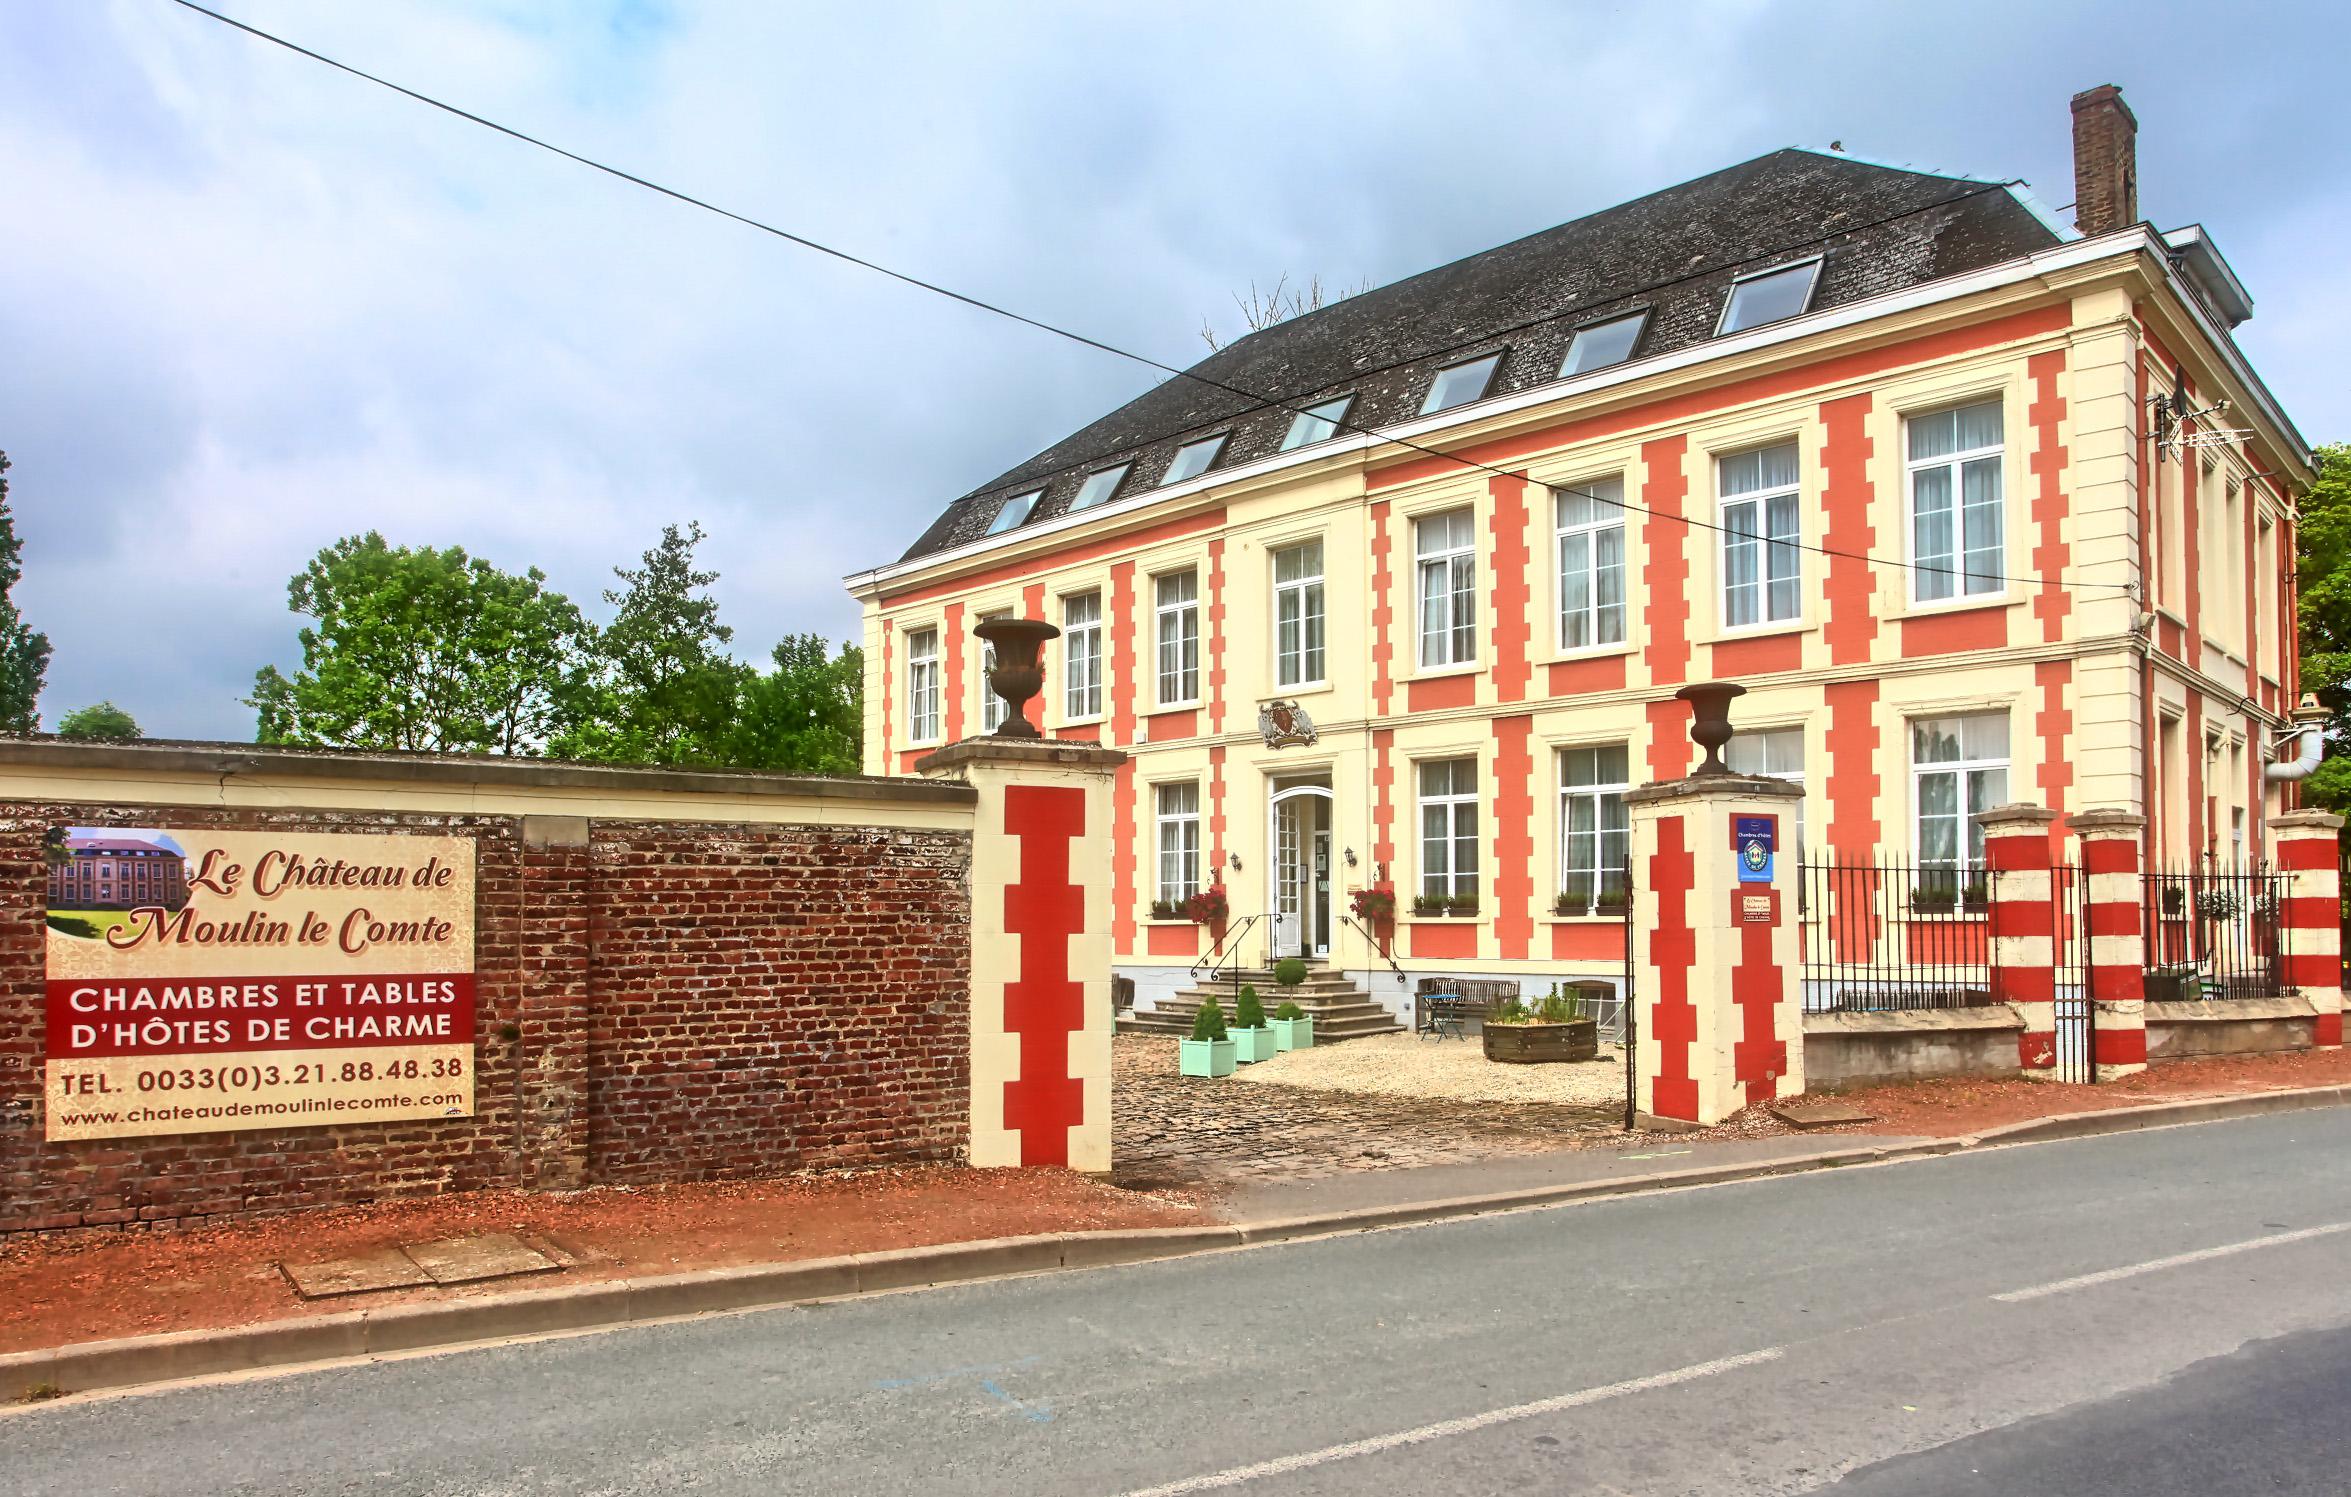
1019, 671
1710, 720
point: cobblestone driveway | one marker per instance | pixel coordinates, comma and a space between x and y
1182, 1131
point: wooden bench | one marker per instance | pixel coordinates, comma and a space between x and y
1450, 1003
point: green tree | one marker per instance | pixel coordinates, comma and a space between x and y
415, 648
104, 723
663, 689
2323, 575
806, 716
24, 653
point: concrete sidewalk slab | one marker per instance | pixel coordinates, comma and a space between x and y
334, 1277
469, 1260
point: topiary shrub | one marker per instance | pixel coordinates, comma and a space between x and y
1289, 971
1289, 1011
1248, 1013
1208, 1024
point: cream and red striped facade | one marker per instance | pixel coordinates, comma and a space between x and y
2142, 654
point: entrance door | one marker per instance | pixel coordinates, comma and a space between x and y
1301, 863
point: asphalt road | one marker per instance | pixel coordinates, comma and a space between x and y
2147, 1313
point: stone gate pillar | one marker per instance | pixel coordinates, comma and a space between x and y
2117, 945
1040, 947
2310, 929
1715, 958
2022, 929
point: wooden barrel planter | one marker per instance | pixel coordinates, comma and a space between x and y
1533, 1044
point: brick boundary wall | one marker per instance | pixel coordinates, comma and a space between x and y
657, 1000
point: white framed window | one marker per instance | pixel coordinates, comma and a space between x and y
1193, 459
1958, 766
1081, 654
1956, 510
1460, 384
991, 705
1316, 423
1588, 522
922, 685
1016, 512
1769, 295
1177, 595
1297, 615
1098, 487
1177, 808
1449, 828
1445, 548
1600, 344
1761, 568
1772, 754
1595, 835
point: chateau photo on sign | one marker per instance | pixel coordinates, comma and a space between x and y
206, 981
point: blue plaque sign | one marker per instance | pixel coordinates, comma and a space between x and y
1757, 839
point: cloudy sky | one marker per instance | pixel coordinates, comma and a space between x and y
249, 305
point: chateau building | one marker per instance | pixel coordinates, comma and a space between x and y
116, 873
1978, 508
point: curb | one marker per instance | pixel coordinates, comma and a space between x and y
93, 1366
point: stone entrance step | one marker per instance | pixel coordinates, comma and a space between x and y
1342, 1011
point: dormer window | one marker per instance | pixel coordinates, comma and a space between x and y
1769, 296
1460, 384
1194, 458
1600, 344
1015, 512
1098, 487
1317, 423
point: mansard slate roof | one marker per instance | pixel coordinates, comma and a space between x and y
1674, 252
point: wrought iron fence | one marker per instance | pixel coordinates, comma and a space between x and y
1887, 934
2214, 933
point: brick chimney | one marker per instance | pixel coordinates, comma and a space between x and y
2105, 161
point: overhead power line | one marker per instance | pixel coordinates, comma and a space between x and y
995, 309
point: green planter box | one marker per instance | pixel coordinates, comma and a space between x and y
1293, 1034
1252, 1045
1206, 1058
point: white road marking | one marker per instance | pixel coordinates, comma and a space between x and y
1451, 1427
2176, 1260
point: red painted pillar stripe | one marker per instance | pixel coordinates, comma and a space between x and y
1045, 1005
1514, 847
1673, 954
1510, 591
1383, 675
2310, 915
1851, 627
1665, 574
2022, 929
1125, 853
2116, 948
951, 669
1215, 662
2047, 463
2055, 731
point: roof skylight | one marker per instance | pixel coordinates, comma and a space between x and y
1769, 296
1193, 458
1601, 344
1015, 512
1460, 384
1098, 487
1317, 423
